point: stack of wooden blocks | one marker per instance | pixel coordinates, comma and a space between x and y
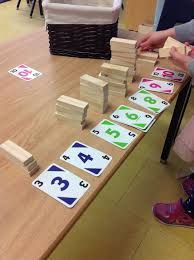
124, 53
146, 61
20, 156
170, 42
95, 92
72, 111
116, 76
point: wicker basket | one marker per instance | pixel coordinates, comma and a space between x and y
81, 30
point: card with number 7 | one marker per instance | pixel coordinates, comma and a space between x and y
157, 85
24, 72
150, 101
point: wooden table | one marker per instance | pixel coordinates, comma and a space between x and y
32, 223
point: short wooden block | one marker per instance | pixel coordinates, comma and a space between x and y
122, 63
16, 153
113, 81
71, 122
129, 60
115, 77
124, 56
90, 81
123, 42
144, 66
72, 103
115, 69
33, 171
70, 114
117, 93
170, 42
165, 52
144, 29
148, 55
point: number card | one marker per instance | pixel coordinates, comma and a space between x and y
169, 74
24, 72
157, 85
61, 185
150, 101
132, 117
114, 134
86, 158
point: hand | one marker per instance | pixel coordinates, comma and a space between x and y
179, 59
154, 40
191, 53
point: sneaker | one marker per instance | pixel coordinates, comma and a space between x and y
188, 184
173, 214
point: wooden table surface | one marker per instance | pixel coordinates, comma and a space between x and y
31, 222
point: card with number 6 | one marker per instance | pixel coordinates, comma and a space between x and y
150, 101
132, 117
168, 74
86, 158
114, 134
157, 85
61, 185
24, 72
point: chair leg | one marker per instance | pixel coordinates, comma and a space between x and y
18, 4
32, 9
40, 7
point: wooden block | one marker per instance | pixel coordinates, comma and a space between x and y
31, 166
144, 66
123, 42
129, 60
33, 171
148, 55
165, 52
123, 55
146, 62
119, 94
113, 81
115, 77
115, 69
71, 122
72, 103
70, 114
16, 153
123, 49
144, 29
93, 82
122, 63
170, 42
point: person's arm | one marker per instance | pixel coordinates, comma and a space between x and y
185, 32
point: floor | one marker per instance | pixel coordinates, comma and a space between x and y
119, 224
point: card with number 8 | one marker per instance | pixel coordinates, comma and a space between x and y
114, 134
132, 117
61, 185
86, 158
150, 101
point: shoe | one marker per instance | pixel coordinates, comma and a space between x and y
173, 214
188, 184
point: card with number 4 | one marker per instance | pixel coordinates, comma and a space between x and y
150, 101
61, 185
157, 85
114, 134
24, 72
132, 117
169, 74
86, 158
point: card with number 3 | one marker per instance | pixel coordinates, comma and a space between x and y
24, 72
61, 185
86, 158
150, 101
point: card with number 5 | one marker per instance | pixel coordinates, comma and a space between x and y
114, 134
86, 158
150, 101
61, 185
24, 72
157, 85
169, 74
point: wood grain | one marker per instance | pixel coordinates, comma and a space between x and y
32, 223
